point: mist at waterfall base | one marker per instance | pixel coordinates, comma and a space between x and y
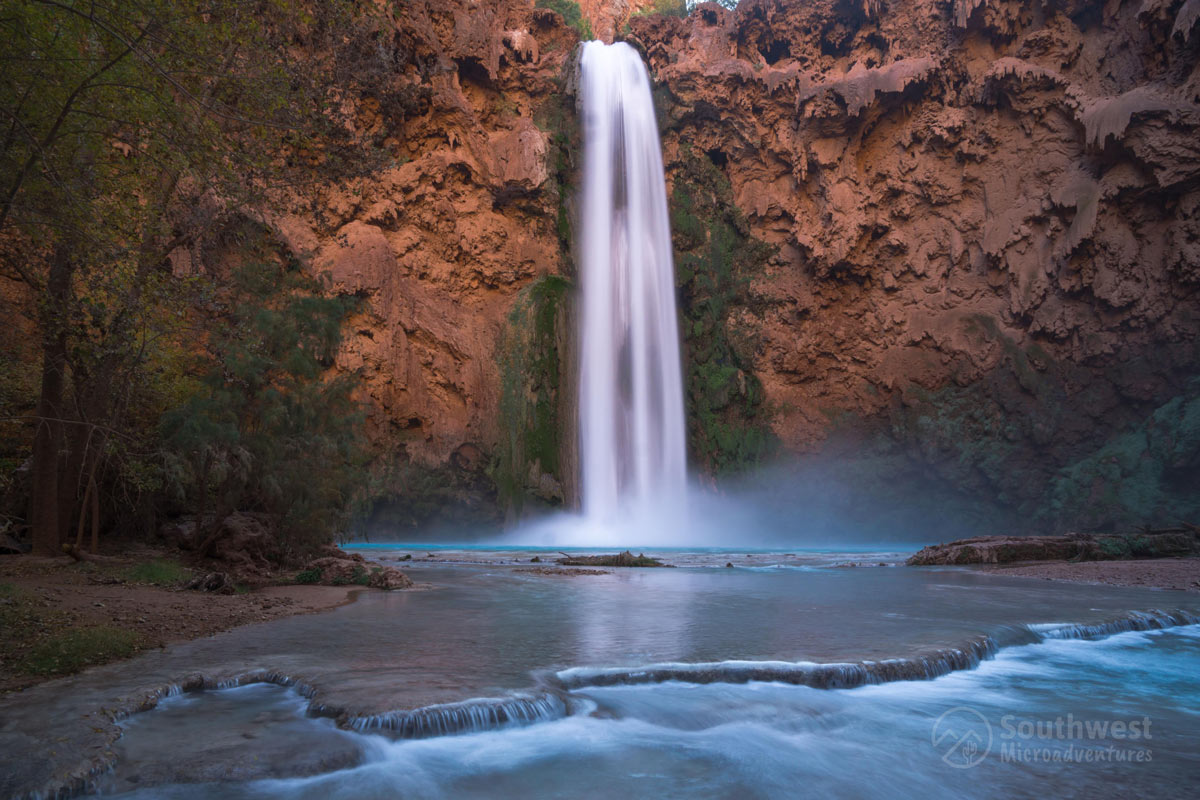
818, 501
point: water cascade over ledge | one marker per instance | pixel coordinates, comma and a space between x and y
631, 418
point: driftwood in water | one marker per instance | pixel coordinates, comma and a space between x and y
626, 559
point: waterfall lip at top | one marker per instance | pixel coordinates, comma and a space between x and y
631, 413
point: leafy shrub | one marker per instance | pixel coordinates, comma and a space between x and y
308, 576
673, 8
358, 577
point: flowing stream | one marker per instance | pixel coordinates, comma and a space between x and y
631, 417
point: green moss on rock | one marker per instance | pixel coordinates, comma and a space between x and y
527, 465
715, 259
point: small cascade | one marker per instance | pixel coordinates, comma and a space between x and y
861, 673
471, 716
1134, 621
631, 417
796, 673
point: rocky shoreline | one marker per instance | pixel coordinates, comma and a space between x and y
1161, 543
146, 601
1161, 559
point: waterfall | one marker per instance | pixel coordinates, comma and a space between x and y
631, 423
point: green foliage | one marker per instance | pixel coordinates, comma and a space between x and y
77, 648
1115, 547
18, 389
557, 118
1127, 545
136, 132
267, 431
715, 258
38, 641
308, 576
1146, 475
160, 572
530, 392
572, 15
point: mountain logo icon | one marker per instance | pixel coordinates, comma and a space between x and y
963, 736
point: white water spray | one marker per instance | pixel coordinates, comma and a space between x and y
633, 452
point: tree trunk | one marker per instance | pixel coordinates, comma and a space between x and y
45, 518
95, 516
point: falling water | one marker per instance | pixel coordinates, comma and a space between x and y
631, 393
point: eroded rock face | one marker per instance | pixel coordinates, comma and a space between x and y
442, 239
609, 18
983, 214
985, 222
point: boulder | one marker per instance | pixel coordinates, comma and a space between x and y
347, 569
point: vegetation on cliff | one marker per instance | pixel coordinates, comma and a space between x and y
715, 260
1151, 472
528, 467
572, 15
527, 464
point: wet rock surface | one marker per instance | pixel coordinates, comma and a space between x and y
249, 733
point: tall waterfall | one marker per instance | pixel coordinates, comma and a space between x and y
631, 419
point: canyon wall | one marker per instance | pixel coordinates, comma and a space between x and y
442, 242
986, 243
954, 241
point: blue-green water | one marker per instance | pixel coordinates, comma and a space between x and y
771, 740
502, 631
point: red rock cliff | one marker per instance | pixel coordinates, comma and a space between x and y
442, 240
983, 215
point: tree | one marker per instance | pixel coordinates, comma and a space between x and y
267, 431
128, 129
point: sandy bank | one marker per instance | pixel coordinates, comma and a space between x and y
1181, 574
